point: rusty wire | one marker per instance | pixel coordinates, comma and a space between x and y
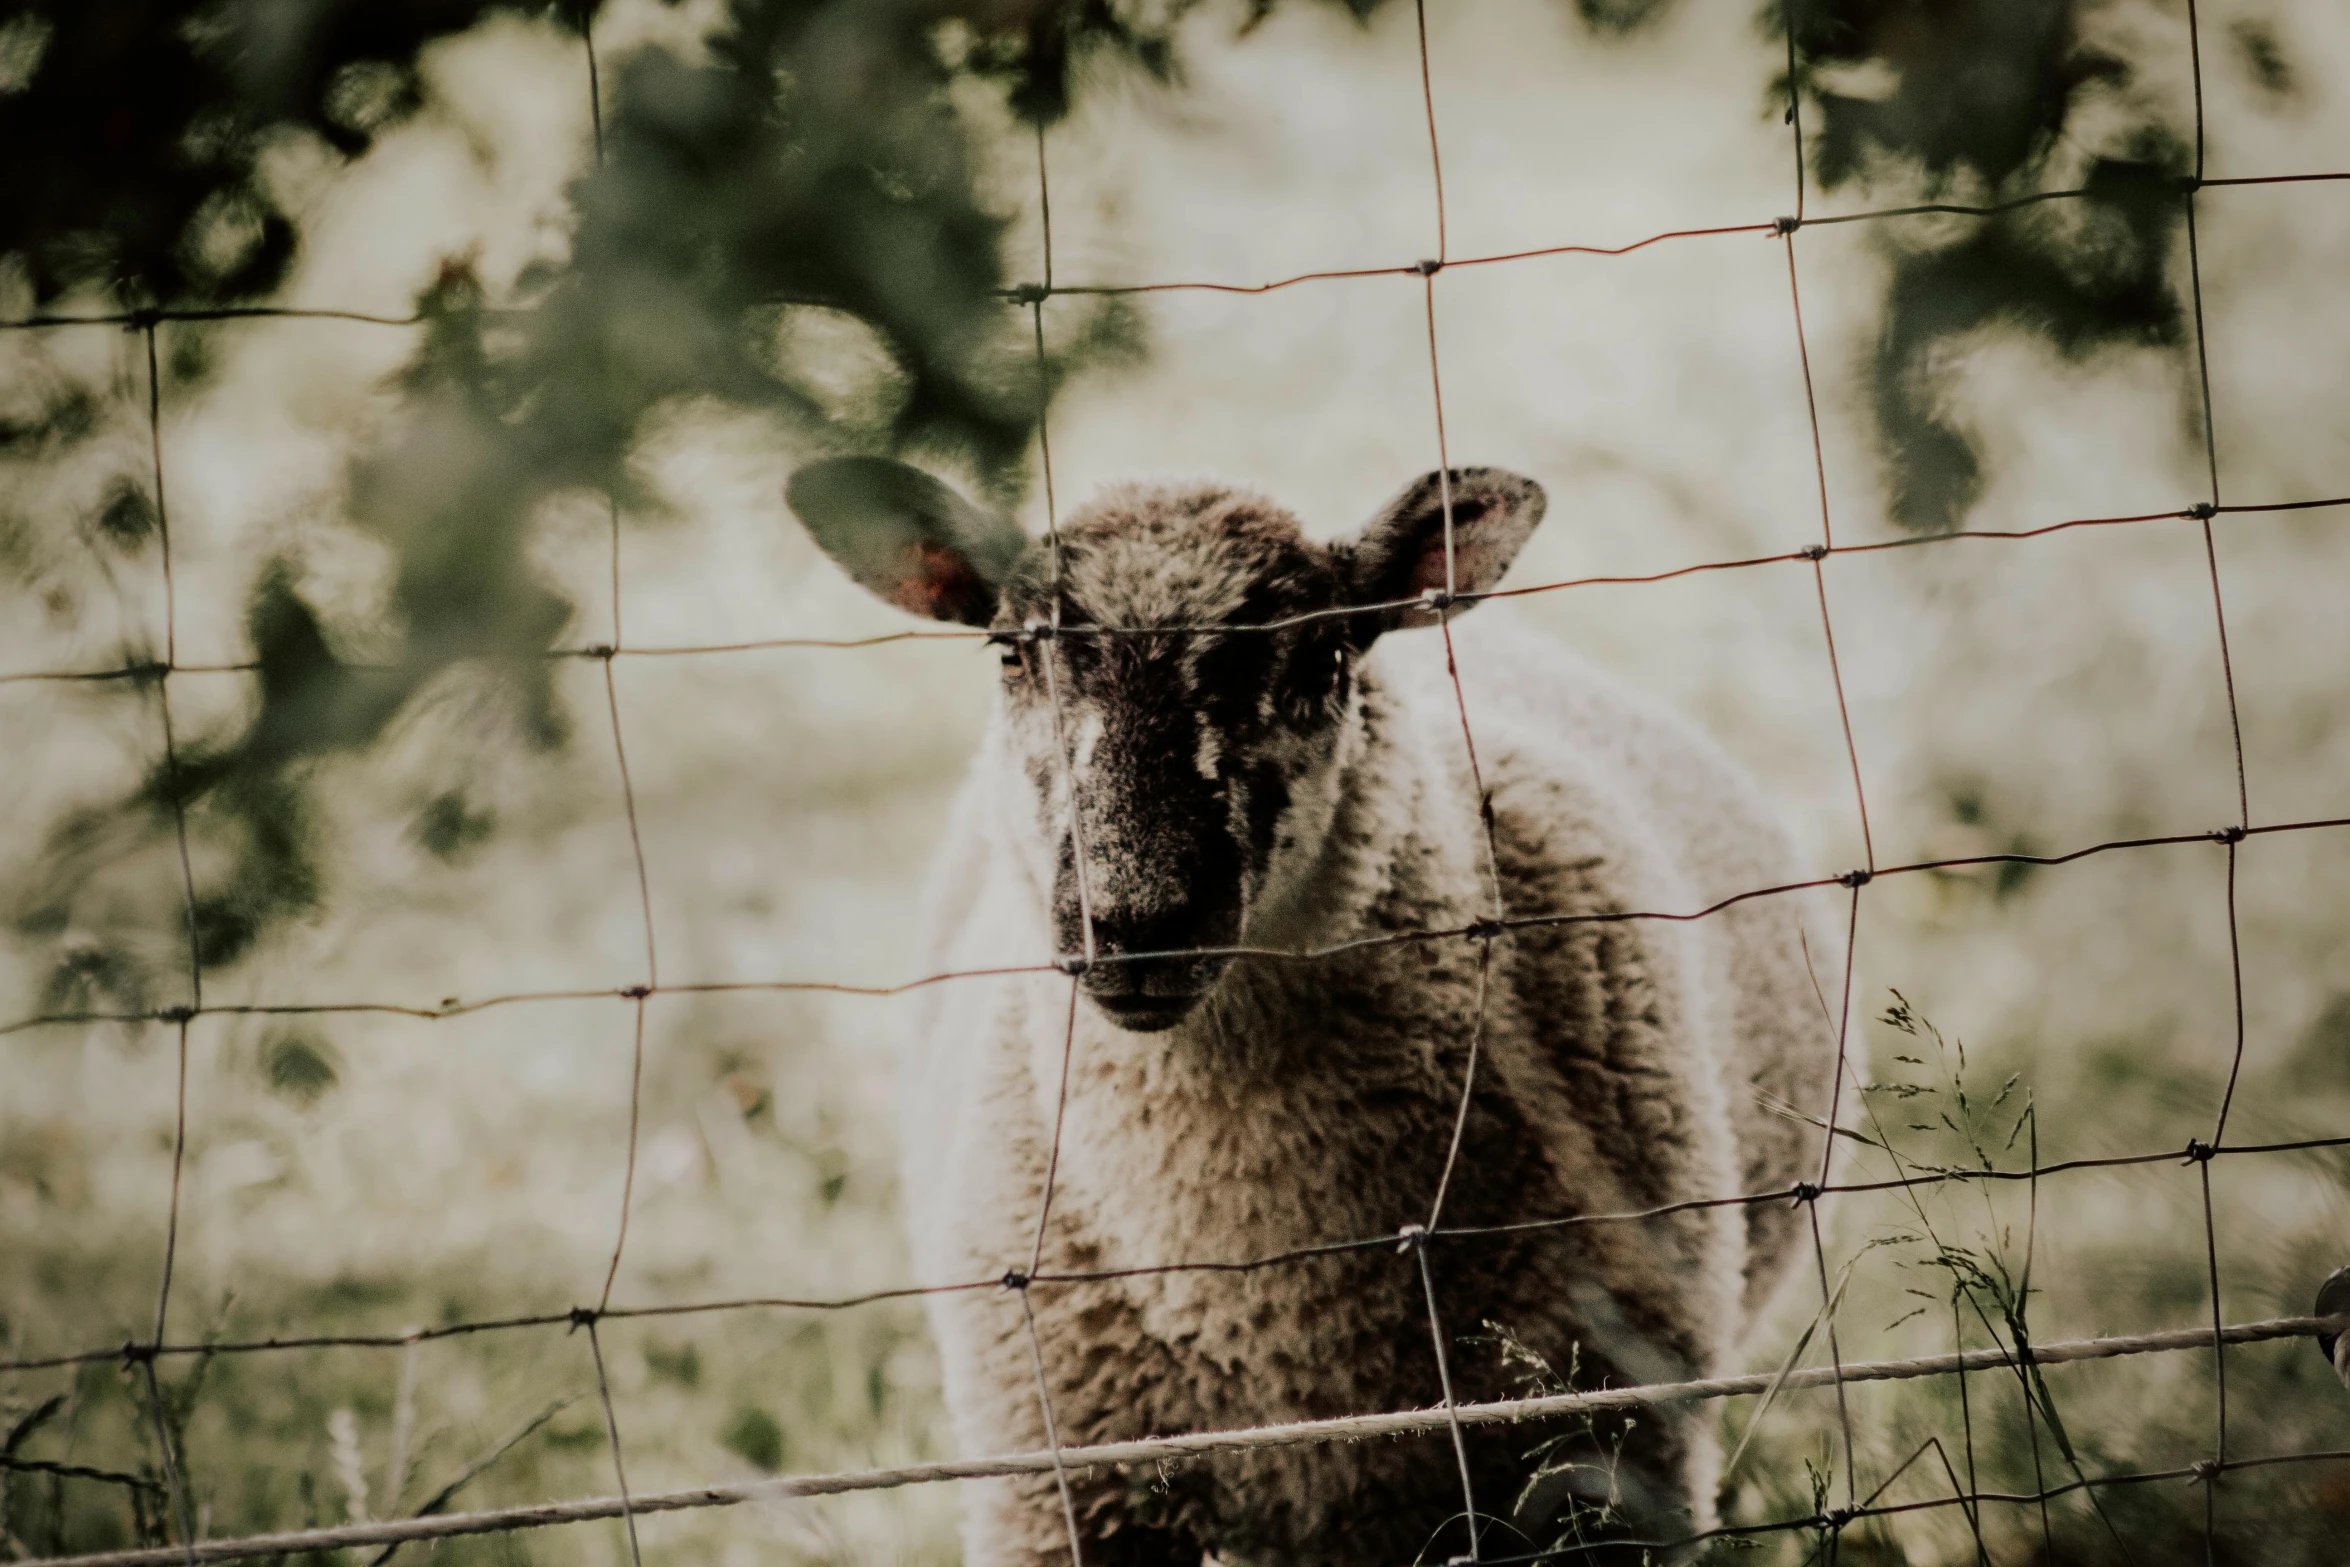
1421, 1240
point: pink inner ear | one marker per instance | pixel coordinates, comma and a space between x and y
1428, 571
940, 584
1428, 575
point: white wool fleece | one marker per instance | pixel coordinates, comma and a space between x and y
1622, 1065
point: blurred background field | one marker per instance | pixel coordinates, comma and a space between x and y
369, 1173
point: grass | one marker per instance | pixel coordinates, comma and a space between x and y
1976, 1264
365, 1175
275, 1243
354, 1174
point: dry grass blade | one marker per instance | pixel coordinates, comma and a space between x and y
1787, 1369
472, 1471
1784, 1110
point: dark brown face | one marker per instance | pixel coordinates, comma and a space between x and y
1182, 738
1179, 675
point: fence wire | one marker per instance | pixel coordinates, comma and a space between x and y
1424, 1240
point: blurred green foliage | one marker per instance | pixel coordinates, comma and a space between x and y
1976, 1264
300, 1067
1984, 99
754, 1436
477, 1419
812, 161
811, 158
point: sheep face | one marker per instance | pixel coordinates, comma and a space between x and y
1179, 681
1169, 726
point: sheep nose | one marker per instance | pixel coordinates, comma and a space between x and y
1167, 928
1142, 978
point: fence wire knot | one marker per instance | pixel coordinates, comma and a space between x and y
2332, 1314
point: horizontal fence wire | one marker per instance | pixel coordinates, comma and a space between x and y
1047, 1279
1354, 1428
155, 670
1427, 1242
1063, 963
1030, 293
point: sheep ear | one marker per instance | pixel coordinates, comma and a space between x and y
907, 537
1400, 552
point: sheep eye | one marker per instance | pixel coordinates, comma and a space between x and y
1013, 659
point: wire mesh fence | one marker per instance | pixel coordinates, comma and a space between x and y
1841, 1505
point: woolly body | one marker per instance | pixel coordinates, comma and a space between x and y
1313, 1101
1296, 789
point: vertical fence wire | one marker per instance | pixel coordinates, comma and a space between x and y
638, 994
2201, 1154
1048, 651
1418, 1239
612, 1436
174, 1475
1787, 230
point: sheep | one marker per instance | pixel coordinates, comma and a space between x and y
1171, 813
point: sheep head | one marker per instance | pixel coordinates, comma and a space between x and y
1179, 671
